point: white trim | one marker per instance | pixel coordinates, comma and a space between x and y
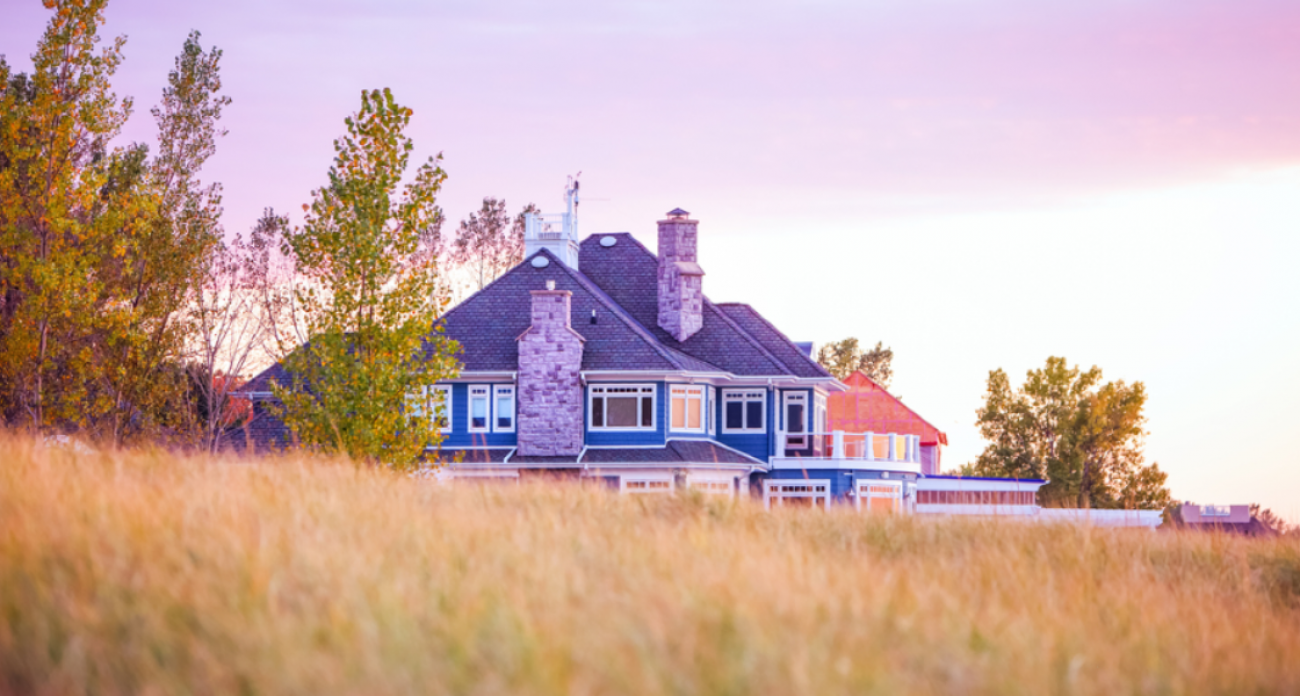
805, 463
497, 391
643, 390
693, 392
864, 491
817, 489
711, 406
720, 379
487, 410
788, 399
744, 396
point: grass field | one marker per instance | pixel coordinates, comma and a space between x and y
152, 574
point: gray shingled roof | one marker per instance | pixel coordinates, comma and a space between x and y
620, 283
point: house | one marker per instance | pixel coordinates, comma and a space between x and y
599, 359
867, 407
1233, 519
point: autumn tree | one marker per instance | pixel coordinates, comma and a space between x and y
367, 298
843, 358
1083, 436
489, 243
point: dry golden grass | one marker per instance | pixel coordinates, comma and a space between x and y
148, 573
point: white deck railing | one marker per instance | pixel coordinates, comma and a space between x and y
838, 444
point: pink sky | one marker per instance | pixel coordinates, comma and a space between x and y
1112, 180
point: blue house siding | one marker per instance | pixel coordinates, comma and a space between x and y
460, 437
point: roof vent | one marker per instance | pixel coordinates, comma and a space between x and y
678, 214
540, 261
608, 241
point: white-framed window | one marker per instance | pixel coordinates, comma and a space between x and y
795, 407
435, 400
744, 411
712, 408
814, 493
646, 484
622, 407
879, 496
480, 411
1215, 511
686, 408
819, 424
711, 486
503, 397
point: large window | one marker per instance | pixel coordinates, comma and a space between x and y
478, 408
505, 408
744, 411
434, 400
622, 407
686, 410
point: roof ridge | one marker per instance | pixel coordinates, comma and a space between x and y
726, 319
758, 315
752, 340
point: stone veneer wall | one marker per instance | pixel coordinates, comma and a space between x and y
550, 392
681, 280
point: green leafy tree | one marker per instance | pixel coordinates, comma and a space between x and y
1085, 437
488, 243
367, 298
843, 358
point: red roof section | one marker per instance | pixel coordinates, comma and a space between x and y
867, 407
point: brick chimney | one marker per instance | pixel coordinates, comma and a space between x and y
681, 280
550, 392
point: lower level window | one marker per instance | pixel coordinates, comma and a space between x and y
803, 493
644, 486
880, 497
619, 407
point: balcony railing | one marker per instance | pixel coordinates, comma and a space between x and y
838, 444
549, 226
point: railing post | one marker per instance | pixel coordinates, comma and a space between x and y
870, 454
893, 447
837, 442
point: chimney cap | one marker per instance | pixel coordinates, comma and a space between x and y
677, 213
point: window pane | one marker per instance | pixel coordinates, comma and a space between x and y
735, 415
620, 412
647, 412
505, 411
754, 415
478, 412
598, 412
693, 414
794, 418
679, 412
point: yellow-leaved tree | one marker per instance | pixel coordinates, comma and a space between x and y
367, 299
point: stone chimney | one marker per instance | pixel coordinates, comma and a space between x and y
550, 391
681, 280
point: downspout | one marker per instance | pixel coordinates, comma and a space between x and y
509, 454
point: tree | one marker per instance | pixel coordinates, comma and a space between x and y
367, 298
232, 322
843, 358
488, 244
55, 174
1269, 519
1083, 436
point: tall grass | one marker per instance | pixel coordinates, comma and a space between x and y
149, 573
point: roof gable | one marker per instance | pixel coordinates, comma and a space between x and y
628, 273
